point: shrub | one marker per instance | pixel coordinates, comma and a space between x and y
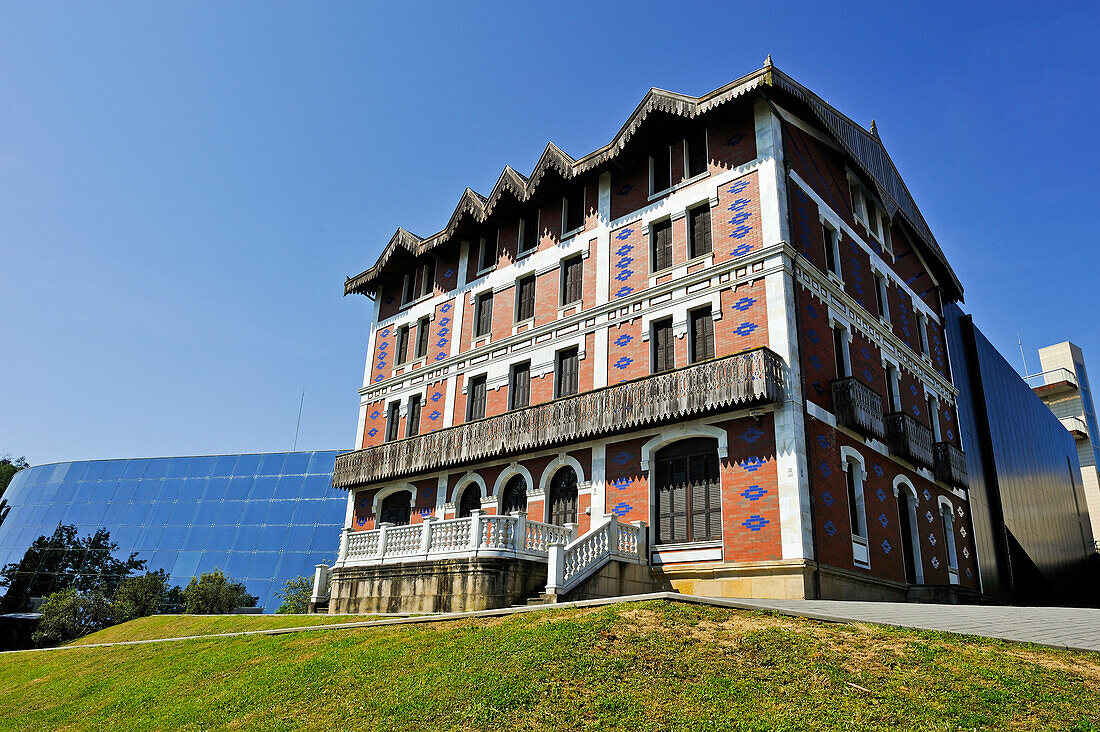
139, 596
68, 614
296, 593
213, 593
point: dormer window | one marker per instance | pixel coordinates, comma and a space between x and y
408, 289
487, 252
529, 233
426, 277
660, 170
695, 154
867, 212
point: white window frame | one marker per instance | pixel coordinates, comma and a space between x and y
893, 377
932, 403
901, 483
520, 239
831, 230
846, 354
882, 286
854, 465
947, 520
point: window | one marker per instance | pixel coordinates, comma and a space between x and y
487, 253
882, 294
412, 421
396, 509
572, 211
426, 277
422, 327
475, 399
470, 500
572, 275
660, 244
689, 492
514, 496
393, 421
922, 332
664, 346
408, 288
519, 388
858, 204
947, 516
699, 231
695, 154
910, 543
660, 170
840, 352
483, 314
563, 497
702, 335
566, 376
529, 233
856, 510
934, 416
893, 389
402, 344
832, 249
525, 298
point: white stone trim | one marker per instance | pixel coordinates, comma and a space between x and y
682, 431
464, 481
505, 475
560, 461
383, 493
903, 483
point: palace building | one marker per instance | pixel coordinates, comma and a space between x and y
709, 356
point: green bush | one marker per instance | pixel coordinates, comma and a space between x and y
212, 593
296, 593
139, 596
68, 614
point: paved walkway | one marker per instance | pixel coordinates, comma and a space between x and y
1073, 628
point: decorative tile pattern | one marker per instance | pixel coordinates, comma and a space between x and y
754, 492
881, 494
752, 434
827, 498
437, 396
830, 528
373, 431
621, 509
434, 415
936, 562
886, 546
622, 458
751, 464
744, 304
883, 520
932, 539
623, 362
927, 495
878, 470
755, 523
823, 442
624, 339
928, 515
745, 329
625, 190
825, 469
621, 484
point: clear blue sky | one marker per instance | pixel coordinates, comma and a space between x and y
184, 187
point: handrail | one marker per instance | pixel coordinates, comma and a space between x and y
909, 439
1051, 376
859, 407
571, 564
747, 378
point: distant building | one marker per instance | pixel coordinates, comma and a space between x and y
262, 519
1031, 523
713, 348
1063, 384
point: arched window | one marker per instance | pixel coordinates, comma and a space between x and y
907, 523
689, 492
469, 501
515, 495
947, 516
396, 508
563, 497
857, 510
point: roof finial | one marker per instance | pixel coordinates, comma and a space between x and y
874, 128
768, 61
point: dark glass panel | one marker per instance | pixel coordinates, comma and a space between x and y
247, 465
273, 537
237, 564
308, 512
289, 486
182, 511
208, 513
263, 488
187, 564
242, 487
74, 472
201, 466
179, 467
223, 466
172, 538
255, 513
301, 537
211, 490
197, 538
156, 468
322, 463
95, 470
296, 463
271, 464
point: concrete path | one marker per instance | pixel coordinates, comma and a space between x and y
1070, 628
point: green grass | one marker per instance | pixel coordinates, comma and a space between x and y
180, 626
647, 666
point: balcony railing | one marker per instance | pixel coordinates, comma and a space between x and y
950, 465
479, 535
1052, 377
909, 439
754, 377
858, 407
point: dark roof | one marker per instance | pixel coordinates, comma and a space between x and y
864, 147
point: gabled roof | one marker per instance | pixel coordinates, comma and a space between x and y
864, 147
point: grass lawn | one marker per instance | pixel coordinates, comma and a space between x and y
179, 626
644, 666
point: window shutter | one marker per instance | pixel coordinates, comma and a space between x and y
572, 281
484, 313
402, 344
708, 336
414, 416
662, 245
664, 347
521, 386
700, 231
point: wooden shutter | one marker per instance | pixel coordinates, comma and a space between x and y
484, 314
571, 280
567, 373
699, 220
702, 335
525, 298
563, 497
664, 347
521, 386
476, 397
422, 337
402, 344
662, 244
413, 420
393, 417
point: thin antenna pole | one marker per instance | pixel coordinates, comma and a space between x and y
300, 403
1022, 356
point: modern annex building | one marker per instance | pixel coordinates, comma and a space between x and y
262, 519
709, 355
1031, 520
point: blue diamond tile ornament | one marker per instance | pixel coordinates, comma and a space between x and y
624, 275
624, 262
830, 528
752, 434
623, 339
932, 539
881, 494
755, 523
878, 470
740, 218
437, 396
823, 442
754, 493
745, 329
739, 205
373, 431
734, 140
738, 186
444, 307
449, 272
384, 332
622, 458
621, 483
927, 495
827, 498
624, 291
624, 234
744, 304
625, 189
624, 250
752, 464
739, 233
375, 415
621, 509
825, 470
440, 356
936, 562
883, 520
623, 362
886, 546
434, 415
928, 515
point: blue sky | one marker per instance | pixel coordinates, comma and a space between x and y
184, 187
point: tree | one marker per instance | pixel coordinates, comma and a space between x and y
139, 596
62, 561
214, 593
296, 593
8, 469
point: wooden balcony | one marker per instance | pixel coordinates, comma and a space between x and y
754, 377
909, 439
858, 407
950, 465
